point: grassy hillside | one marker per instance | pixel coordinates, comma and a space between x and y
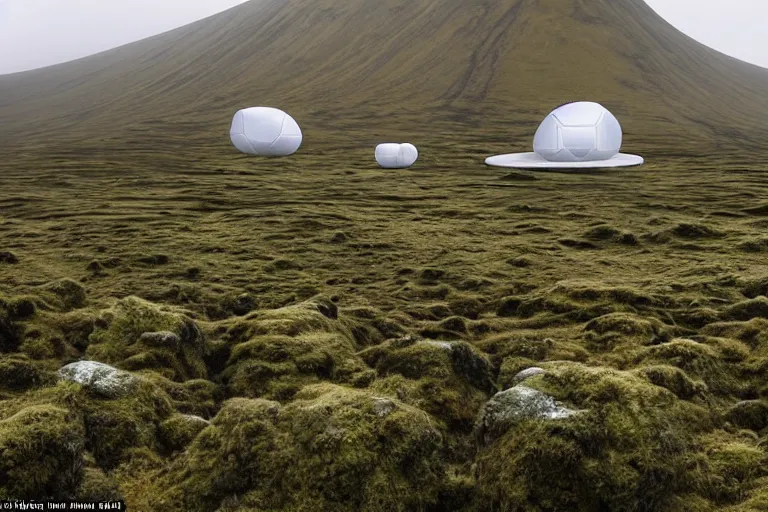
354, 71
317, 333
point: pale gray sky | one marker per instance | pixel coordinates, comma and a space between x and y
36, 33
735, 27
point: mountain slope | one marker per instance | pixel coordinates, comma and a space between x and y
419, 69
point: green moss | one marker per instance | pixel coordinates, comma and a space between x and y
264, 365
117, 340
747, 310
607, 233
511, 367
753, 332
673, 379
751, 414
615, 330
696, 359
41, 448
43, 342
531, 344
756, 499
64, 294
109, 426
332, 448
732, 464
178, 431
447, 380
96, 485
18, 372
198, 397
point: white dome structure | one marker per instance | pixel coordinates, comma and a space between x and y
576, 135
265, 131
396, 156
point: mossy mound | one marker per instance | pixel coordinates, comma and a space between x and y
730, 465
674, 379
116, 425
756, 499
753, 332
41, 447
607, 233
63, 294
749, 414
621, 329
118, 339
332, 448
197, 397
577, 300
700, 360
756, 287
531, 345
96, 485
18, 372
276, 366
181, 429
747, 310
449, 380
315, 315
110, 426
628, 450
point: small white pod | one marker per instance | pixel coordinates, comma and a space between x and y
265, 131
396, 156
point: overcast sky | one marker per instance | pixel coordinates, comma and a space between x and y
36, 33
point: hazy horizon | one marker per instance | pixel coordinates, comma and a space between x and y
43, 33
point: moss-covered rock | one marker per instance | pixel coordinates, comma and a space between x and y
510, 407
628, 451
41, 447
120, 338
332, 448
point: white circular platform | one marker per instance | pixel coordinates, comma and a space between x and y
534, 161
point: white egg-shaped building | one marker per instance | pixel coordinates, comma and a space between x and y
265, 131
396, 156
576, 135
